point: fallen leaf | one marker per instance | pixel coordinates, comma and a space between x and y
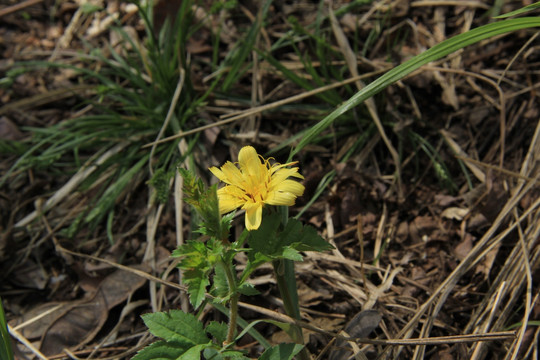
455, 213
75, 324
8, 130
76, 327
361, 325
464, 248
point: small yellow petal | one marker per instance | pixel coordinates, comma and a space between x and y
253, 215
280, 198
232, 175
217, 173
249, 161
283, 174
229, 200
291, 186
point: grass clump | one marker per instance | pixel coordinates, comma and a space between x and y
141, 91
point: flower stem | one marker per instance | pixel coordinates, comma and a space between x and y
286, 281
233, 304
233, 314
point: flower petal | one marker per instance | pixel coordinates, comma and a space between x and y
291, 186
253, 215
282, 174
280, 198
230, 198
217, 173
249, 161
233, 176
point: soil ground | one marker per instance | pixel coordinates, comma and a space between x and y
449, 249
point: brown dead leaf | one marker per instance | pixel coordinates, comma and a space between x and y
120, 284
485, 266
75, 324
421, 226
402, 232
464, 248
76, 327
455, 213
443, 355
29, 275
8, 130
445, 200
311, 297
361, 325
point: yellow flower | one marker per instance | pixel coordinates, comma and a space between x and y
254, 184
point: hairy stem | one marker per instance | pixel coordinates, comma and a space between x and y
233, 304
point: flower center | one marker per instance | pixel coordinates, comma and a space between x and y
256, 188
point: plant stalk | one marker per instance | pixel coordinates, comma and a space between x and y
233, 304
286, 281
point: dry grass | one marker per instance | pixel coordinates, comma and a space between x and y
432, 202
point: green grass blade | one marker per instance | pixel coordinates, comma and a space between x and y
241, 54
524, 9
436, 52
111, 194
5, 340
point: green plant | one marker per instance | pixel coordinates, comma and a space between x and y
5, 340
143, 92
208, 263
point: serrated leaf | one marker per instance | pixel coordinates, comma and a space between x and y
225, 355
206, 204
248, 289
221, 286
291, 254
286, 244
304, 237
183, 328
234, 355
218, 330
197, 282
193, 353
255, 260
161, 350
264, 239
281, 352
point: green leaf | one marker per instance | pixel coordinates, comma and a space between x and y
205, 203
199, 259
248, 289
295, 237
183, 328
110, 195
221, 285
268, 244
281, 352
88, 8
225, 355
161, 350
303, 237
255, 259
264, 240
197, 282
193, 353
522, 10
291, 254
218, 330
399, 72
